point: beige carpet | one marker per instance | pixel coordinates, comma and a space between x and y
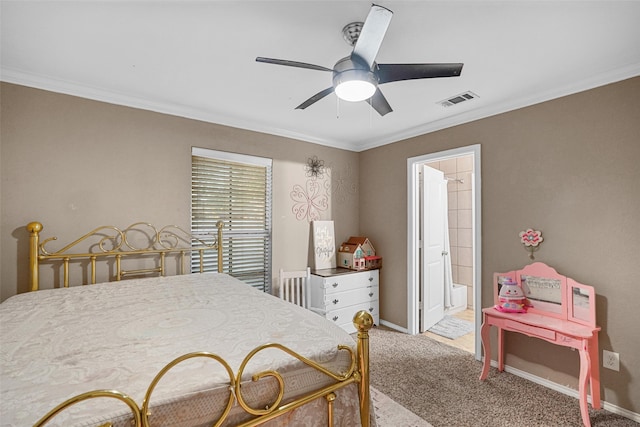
440, 384
390, 413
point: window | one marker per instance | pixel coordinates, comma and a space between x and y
234, 189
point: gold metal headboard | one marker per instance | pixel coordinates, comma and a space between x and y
114, 243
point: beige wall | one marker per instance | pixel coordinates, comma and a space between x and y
569, 167
74, 164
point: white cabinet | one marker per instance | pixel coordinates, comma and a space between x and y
341, 293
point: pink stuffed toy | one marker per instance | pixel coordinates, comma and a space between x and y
511, 299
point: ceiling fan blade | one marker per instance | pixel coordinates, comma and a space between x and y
372, 34
379, 103
395, 72
292, 63
315, 98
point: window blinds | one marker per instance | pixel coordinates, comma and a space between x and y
236, 190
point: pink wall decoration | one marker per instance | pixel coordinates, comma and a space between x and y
531, 238
309, 201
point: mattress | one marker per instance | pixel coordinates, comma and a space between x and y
58, 343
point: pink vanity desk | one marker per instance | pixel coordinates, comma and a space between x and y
563, 313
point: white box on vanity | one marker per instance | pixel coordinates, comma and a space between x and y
340, 293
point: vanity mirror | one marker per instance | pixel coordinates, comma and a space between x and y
543, 293
581, 303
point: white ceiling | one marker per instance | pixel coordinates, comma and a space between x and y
196, 59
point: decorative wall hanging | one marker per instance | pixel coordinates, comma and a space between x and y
531, 240
323, 184
342, 186
310, 201
311, 198
315, 167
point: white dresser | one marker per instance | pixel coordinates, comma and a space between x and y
341, 293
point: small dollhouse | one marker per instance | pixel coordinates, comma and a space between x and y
358, 253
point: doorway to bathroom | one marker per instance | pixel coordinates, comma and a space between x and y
444, 249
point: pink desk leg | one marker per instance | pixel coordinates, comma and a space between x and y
486, 347
582, 385
594, 371
500, 349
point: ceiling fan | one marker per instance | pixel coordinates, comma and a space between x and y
356, 77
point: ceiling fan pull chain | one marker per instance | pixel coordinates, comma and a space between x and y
370, 114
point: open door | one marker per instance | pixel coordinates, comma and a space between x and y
432, 238
415, 193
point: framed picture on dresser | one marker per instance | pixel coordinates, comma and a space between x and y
323, 244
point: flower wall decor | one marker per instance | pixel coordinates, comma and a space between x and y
309, 202
531, 240
314, 167
324, 184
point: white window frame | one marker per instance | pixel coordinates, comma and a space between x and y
241, 240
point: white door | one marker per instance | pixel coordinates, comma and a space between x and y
432, 262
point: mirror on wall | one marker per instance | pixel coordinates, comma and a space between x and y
543, 293
580, 304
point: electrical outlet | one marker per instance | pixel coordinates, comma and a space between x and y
611, 360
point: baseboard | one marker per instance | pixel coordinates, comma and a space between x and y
393, 326
568, 391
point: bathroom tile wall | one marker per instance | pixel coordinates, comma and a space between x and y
460, 219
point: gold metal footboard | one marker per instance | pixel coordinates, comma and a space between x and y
357, 372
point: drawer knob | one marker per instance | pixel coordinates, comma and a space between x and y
371, 279
335, 285
371, 309
335, 318
335, 301
370, 294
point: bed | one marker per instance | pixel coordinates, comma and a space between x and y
192, 349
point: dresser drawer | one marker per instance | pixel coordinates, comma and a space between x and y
345, 282
530, 330
338, 300
344, 316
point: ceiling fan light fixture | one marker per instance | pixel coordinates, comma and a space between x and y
356, 77
354, 85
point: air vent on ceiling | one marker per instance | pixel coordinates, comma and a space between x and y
457, 99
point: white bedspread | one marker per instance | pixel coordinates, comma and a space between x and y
58, 343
